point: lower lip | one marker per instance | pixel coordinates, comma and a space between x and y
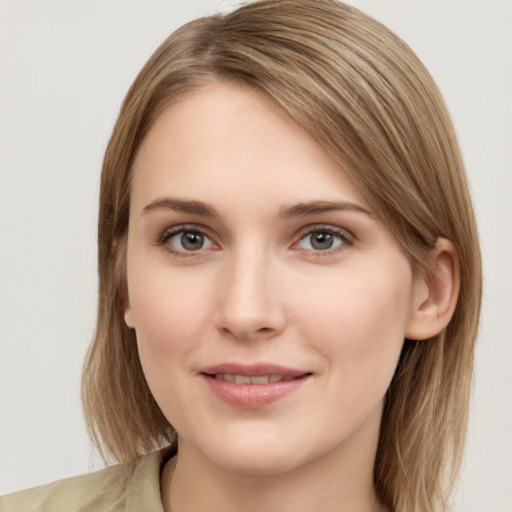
253, 396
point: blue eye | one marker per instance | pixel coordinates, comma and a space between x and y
322, 240
187, 240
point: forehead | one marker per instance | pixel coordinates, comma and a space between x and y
226, 141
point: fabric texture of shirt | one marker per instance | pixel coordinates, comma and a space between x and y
113, 489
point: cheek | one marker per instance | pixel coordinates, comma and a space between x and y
170, 310
358, 326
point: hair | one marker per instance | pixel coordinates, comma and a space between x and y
372, 105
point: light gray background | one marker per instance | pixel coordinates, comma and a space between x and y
65, 66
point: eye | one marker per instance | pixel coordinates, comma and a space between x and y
323, 239
185, 240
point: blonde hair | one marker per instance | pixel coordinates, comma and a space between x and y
368, 100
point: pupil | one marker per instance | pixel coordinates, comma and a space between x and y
322, 241
192, 241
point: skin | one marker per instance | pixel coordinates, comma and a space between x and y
259, 290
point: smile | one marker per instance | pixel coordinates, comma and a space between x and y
257, 379
253, 386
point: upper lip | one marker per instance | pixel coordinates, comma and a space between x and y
252, 370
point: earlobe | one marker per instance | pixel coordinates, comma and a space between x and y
128, 315
119, 253
435, 294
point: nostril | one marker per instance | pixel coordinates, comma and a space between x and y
246, 333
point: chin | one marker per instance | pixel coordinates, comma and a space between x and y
257, 464
262, 455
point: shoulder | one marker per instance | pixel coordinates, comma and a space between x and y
101, 490
113, 489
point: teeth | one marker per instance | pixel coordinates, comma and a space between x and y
258, 379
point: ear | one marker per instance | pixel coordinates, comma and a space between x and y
128, 314
118, 249
435, 293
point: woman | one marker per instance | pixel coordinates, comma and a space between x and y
289, 275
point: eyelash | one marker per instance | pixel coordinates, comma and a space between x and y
343, 236
172, 232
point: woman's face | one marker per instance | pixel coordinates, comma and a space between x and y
270, 304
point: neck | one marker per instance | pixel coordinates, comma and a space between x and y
341, 481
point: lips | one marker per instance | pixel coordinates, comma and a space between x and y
253, 386
252, 370
256, 379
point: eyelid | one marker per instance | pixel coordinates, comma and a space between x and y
347, 237
172, 231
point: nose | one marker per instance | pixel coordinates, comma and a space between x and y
251, 297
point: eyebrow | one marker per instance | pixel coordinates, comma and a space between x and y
181, 205
314, 207
296, 210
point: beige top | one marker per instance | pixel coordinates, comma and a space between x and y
113, 489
